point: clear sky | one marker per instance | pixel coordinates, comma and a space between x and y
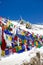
31, 10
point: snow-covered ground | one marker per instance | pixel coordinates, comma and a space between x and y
37, 29
18, 59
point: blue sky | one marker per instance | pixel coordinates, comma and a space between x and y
30, 10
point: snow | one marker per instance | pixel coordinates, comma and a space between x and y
37, 29
18, 59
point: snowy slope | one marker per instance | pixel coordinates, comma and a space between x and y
18, 59
37, 29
